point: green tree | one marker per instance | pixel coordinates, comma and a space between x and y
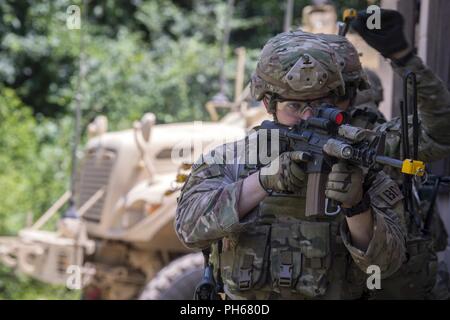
31, 176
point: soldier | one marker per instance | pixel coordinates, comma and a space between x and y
416, 277
264, 245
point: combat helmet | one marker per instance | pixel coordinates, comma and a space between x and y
297, 65
348, 58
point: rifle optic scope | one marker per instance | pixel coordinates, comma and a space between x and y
330, 112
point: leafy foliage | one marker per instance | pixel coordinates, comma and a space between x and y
32, 175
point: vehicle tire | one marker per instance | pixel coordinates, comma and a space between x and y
177, 281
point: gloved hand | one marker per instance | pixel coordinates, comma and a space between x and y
389, 38
289, 177
345, 184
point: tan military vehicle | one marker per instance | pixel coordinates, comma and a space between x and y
122, 235
125, 201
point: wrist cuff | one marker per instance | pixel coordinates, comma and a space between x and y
361, 207
269, 191
404, 60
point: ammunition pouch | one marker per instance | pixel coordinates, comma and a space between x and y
245, 266
295, 255
300, 257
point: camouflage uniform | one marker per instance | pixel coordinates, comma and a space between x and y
417, 277
278, 251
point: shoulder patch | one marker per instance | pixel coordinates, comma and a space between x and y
197, 165
390, 193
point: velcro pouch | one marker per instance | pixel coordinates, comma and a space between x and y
300, 256
245, 266
314, 241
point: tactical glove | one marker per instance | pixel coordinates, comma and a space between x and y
389, 38
289, 176
345, 184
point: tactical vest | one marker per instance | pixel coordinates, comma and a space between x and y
286, 255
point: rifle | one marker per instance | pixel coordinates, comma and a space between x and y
325, 139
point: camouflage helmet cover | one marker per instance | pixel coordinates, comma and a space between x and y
297, 65
348, 59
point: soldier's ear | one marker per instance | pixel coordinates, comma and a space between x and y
270, 103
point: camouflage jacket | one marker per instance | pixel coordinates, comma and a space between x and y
276, 251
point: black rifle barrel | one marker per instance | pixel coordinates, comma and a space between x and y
389, 161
